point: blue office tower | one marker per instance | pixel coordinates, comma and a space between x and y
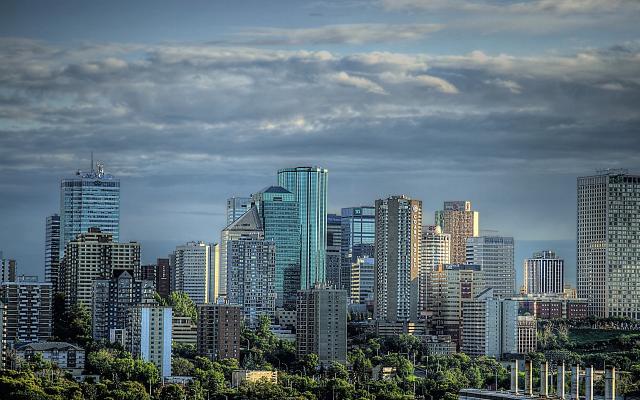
278, 209
89, 199
309, 185
358, 233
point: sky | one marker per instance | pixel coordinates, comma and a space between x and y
500, 102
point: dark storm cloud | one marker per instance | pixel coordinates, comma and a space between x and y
186, 126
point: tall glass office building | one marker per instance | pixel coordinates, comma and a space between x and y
89, 199
309, 185
236, 207
358, 233
278, 209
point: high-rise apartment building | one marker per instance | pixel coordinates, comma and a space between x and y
362, 281
94, 255
236, 207
89, 200
52, 251
435, 250
309, 185
192, 270
494, 254
149, 335
219, 327
27, 310
357, 239
278, 210
449, 288
7, 270
496, 327
544, 273
112, 299
248, 226
461, 222
160, 273
252, 277
321, 324
397, 258
608, 241
334, 243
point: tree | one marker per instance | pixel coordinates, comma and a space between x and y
171, 392
183, 305
310, 363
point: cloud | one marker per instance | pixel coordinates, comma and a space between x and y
512, 86
353, 34
362, 83
521, 6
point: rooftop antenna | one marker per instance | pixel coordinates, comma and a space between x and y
92, 161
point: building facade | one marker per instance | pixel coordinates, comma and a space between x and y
309, 185
321, 324
52, 251
252, 278
362, 281
334, 244
8, 270
397, 258
149, 335
236, 207
494, 254
219, 327
278, 209
91, 256
112, 299
27, 310
192, 263
435, 250
160, 273
248, 226
544, 273
66, 356
357, 238
461, 222
89, 200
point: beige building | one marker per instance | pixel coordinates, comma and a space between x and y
245, 375
461, 222
191, 270
397, 258
91, 256
449, 288
184, 331
435, 250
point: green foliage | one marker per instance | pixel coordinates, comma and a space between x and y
182, 305
119, 366
171, 392
72, 325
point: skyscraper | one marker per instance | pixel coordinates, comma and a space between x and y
149, 335
52, 251
192, 270
362, 280
278, 210
357, 239
160, 273
608, 233
94, 255
397, 258
458, 220
334, 243
309, 185
87, 200
251, 278
494, 254
435, 250
544, 273
236, 206
248, 226
321, 324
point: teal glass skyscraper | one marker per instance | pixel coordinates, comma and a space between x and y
278, 209
89, 199
309, 185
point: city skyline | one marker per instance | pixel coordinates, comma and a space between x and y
500, 104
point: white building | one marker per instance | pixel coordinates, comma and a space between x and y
149, 335
494, 254
191, 269
67, 357
544, 273
362, 280
435, 250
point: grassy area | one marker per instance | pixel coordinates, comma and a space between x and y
586, 336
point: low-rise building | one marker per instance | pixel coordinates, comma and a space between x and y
67, 357
382, 373
441, 345
245, 375
185, 331
386, 329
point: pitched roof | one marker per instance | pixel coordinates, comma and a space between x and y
274, 189
248, 221
44, 346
